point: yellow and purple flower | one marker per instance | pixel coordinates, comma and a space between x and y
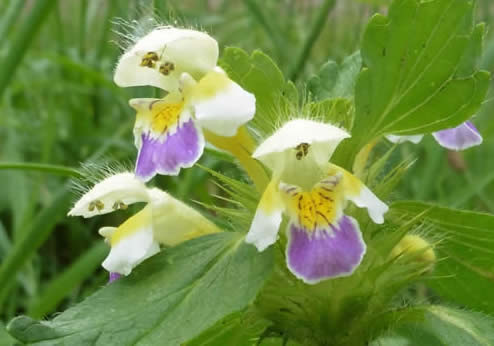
323, 242
164, 220
169, 132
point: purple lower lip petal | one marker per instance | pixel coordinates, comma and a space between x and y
114, 276
461, 137
178, 150
325, 253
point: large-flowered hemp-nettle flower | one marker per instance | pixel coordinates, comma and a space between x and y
164, 220
168, 132
461, 137
323, 242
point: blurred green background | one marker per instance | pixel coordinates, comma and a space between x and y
60, 108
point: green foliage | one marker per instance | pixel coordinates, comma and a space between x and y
440, 325
68, 281
259, 74
334, 81
239, 329
465, 242
5, 338
169, 299
412, 83
419, 70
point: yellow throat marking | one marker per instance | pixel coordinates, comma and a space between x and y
165, 115
317, 208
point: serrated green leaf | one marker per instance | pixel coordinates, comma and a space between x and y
336, 81
414, 79
258, 74
439, 325
465, 269
169, 299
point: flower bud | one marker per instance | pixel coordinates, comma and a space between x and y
416, 248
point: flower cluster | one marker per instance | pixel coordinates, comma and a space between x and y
202, 103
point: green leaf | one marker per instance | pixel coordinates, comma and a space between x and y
70, 279
465, 269
169, 299
239, 329
416, 60
258, 74
336, 81
440, 325
5, 338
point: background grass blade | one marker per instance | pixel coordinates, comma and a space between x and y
42, 226
60, 287
41, 167
23, 38
314, 33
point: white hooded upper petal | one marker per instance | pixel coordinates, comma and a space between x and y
220, 105
131, 243
189, 51
112, 193
323, 139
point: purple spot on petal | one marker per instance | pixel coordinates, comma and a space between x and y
325, 253
179, 150
459, 138
114, 276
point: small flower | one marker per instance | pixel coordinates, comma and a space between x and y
458, 138
164, 220
169, 132
323, 242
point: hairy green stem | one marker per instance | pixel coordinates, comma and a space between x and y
42, 167
314, 33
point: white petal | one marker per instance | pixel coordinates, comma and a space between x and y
264, 229
323, 138
190, 51
131, 244
375, 207
112, 193
221, 105
415, 139
175, 222
361, 195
